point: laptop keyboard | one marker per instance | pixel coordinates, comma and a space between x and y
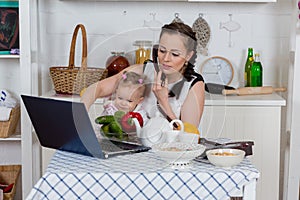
113, 146
108, 146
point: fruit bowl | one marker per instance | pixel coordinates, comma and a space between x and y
178, 153
225, 157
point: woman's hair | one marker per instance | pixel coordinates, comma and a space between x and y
190, 43
133, 79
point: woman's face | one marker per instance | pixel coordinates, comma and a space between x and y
172, 53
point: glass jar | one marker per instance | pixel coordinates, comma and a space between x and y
143, 51
116, 63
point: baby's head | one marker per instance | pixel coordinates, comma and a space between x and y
130, 91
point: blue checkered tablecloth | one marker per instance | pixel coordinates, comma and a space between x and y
138, 176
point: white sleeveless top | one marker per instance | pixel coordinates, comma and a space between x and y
150, 102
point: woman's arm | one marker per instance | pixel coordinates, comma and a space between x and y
99, 89
105, 87
192, 108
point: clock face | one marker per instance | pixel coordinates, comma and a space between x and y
218, 70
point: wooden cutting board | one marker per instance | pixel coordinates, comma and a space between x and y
253, 90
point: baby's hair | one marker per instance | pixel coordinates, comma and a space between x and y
134, 79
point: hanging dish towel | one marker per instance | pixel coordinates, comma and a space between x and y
4, 113
7, 100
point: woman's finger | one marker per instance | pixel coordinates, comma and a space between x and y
166, 82
158, 79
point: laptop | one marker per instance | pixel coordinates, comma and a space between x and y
66, 126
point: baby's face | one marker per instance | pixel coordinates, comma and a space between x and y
127, 98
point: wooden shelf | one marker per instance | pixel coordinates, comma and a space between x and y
14, 137
10, 56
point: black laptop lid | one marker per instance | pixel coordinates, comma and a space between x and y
62, 125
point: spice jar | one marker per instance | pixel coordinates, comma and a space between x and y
143, 51
116, 63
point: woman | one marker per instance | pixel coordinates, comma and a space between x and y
176, 91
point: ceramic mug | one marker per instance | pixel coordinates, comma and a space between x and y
172, 135
189, 138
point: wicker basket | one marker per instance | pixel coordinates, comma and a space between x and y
10, 174
71, 79
8, 128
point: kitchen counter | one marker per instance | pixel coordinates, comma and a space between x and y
75, 98
210, 99
246, 100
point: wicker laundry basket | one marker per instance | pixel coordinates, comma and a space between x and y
71, 79
9, 174
8, 128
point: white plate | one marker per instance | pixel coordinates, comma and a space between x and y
178, 153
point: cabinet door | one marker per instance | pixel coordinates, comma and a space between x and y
258, 124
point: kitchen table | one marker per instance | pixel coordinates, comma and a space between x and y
141, 176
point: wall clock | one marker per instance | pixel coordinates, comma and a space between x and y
217, 69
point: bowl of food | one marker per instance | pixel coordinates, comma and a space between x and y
225, 157
178, 153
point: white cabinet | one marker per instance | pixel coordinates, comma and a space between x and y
10, 154
28, 84
292, 173
254, 118
10, 148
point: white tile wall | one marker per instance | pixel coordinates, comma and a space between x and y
116, 25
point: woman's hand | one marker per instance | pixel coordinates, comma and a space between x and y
160, 88
161, 92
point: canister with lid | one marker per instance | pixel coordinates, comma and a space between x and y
143, 51
116, 63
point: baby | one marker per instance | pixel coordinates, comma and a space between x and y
128, 95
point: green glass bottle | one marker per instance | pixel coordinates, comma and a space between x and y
256, 72
248, 65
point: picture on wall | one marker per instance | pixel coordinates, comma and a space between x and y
9, 27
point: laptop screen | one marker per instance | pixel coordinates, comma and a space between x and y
62, 125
